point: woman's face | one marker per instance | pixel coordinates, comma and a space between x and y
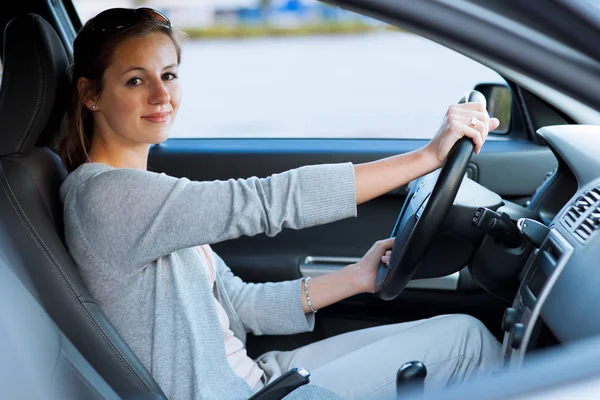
141, 92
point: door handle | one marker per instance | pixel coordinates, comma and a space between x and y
317, 266
313, 266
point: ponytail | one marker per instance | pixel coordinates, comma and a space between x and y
76, 140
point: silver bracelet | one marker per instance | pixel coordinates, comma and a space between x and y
305, 282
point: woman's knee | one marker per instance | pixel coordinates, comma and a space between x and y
465, 348
472, 339
467, 322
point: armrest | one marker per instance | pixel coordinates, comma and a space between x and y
283, 385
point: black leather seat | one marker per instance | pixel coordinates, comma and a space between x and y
51, 368
33, 98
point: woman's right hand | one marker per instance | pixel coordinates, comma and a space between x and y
467, 119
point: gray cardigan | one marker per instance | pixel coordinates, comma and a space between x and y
132, 234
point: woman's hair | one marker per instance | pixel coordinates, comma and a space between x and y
92, 55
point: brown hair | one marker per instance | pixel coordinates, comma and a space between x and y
92, 55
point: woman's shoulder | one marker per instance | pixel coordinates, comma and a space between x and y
95, 184
79, 176
90, 175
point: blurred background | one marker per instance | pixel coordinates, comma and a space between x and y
301, 68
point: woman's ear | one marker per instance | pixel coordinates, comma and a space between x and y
86, 93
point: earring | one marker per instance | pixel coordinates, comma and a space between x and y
94, 106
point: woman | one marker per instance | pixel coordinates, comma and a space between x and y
142, 239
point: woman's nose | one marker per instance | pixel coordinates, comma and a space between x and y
160, 94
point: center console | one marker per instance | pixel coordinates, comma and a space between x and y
540, 273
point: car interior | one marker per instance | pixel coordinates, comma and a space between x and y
515, 245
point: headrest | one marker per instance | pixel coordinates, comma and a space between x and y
34, 90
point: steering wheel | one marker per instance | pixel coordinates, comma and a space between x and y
422, 214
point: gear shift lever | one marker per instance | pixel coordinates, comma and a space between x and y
411, 375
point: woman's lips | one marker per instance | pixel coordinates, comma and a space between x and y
157, 117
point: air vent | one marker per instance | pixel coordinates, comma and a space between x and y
571, 217
584, 215
581, 205
588, 225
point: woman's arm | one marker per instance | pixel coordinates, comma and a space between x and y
378, 177
132, 217
271, 308
349, 281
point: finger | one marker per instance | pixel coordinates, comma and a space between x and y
494, 124
388, 253
481, 127
473, 105
473, 123
385, 259
475, 136
472, 133
467, 111
387, 243
480, 115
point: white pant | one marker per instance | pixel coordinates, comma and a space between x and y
363, 364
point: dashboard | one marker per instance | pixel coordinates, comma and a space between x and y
560, 283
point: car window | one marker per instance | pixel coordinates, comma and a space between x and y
300, 68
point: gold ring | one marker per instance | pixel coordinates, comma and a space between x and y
473, 122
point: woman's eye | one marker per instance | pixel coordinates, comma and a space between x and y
134, 82
169, 76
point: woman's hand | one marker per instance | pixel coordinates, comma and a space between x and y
348, 281
365, 271
468, 119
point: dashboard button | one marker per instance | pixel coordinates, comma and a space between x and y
509, 319
518, 332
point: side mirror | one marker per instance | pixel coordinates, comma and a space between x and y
499, 104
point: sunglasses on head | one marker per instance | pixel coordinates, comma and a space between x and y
119, 18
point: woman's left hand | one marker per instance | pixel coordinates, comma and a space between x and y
365, 271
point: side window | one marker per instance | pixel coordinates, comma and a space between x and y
300, 68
